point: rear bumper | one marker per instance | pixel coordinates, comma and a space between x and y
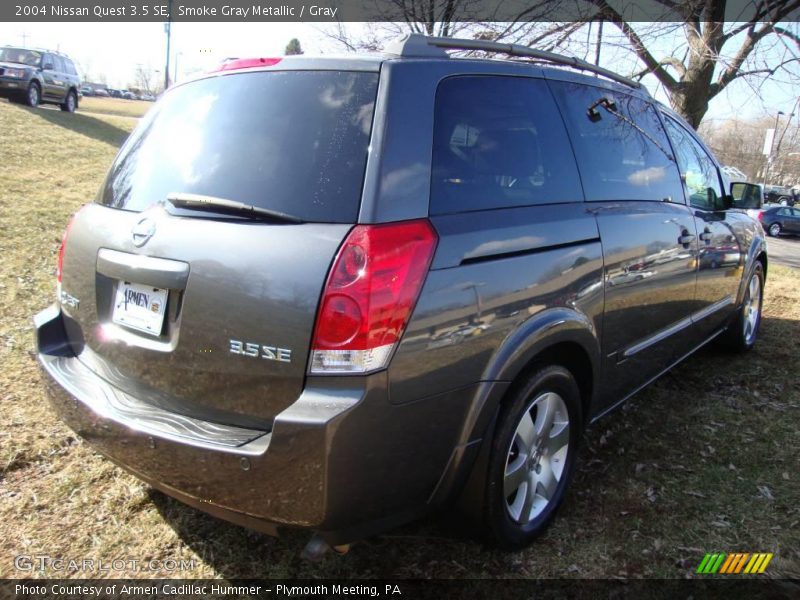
341, 460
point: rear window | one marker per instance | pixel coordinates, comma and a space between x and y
291, 141
499, 142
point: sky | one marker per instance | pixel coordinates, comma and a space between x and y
115, 50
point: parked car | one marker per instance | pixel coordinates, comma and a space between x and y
421, 312
87, 90
128, 95
776, 194
101, 93
35, 77
780, 219
114, 93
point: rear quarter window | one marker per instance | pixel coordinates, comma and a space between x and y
499, 142
622, 149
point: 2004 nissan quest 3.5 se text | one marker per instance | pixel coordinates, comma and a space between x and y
337, 293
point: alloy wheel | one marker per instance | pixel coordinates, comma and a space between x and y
536, 457
752, 309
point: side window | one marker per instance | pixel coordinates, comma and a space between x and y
784, 212
59, 64
70, 67
47, 62
698, 173
499, 142
622, 150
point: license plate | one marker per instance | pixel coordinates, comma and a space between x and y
140, 307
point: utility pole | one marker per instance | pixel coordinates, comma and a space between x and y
780, 139
168, 29
768, 150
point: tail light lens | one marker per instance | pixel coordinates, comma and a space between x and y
761, 215
370, 293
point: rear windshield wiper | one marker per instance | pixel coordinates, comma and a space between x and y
221, 205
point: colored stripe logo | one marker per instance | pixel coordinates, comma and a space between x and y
731, 564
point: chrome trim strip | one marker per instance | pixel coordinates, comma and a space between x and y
111, 403
712, 308
672, 365
657, 337
148, 270
678, 326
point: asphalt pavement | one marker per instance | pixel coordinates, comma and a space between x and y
784, 250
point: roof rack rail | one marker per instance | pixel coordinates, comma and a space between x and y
418, 45
36, 49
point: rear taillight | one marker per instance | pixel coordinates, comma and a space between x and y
370, 293
760, 215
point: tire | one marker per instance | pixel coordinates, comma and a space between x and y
34, 95
530, 470
70, 102
742, 333
774, 230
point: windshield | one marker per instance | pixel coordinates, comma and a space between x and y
21, 56
288, 141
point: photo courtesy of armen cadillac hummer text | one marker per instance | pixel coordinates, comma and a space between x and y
337, 294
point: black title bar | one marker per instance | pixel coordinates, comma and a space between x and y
358, 10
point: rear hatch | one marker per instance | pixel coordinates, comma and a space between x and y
178, 295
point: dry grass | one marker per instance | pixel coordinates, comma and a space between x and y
114, 106
704, 460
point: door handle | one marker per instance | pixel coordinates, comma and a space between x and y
686, 238
706, 236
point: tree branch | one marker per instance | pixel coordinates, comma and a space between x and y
653, 65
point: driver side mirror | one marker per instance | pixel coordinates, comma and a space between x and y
746, 195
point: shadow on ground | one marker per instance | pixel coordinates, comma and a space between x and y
83, 124
644, 473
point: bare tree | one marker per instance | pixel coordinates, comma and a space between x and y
716, 46
739, 143
145, 79
715, 53
514, 22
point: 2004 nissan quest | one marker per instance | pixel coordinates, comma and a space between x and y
337, 293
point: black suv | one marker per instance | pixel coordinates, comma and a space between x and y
337, 293
38, 76
775, 194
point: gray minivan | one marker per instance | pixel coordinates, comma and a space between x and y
338, 293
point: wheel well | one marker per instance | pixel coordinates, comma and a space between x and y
762, 258
572, 357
